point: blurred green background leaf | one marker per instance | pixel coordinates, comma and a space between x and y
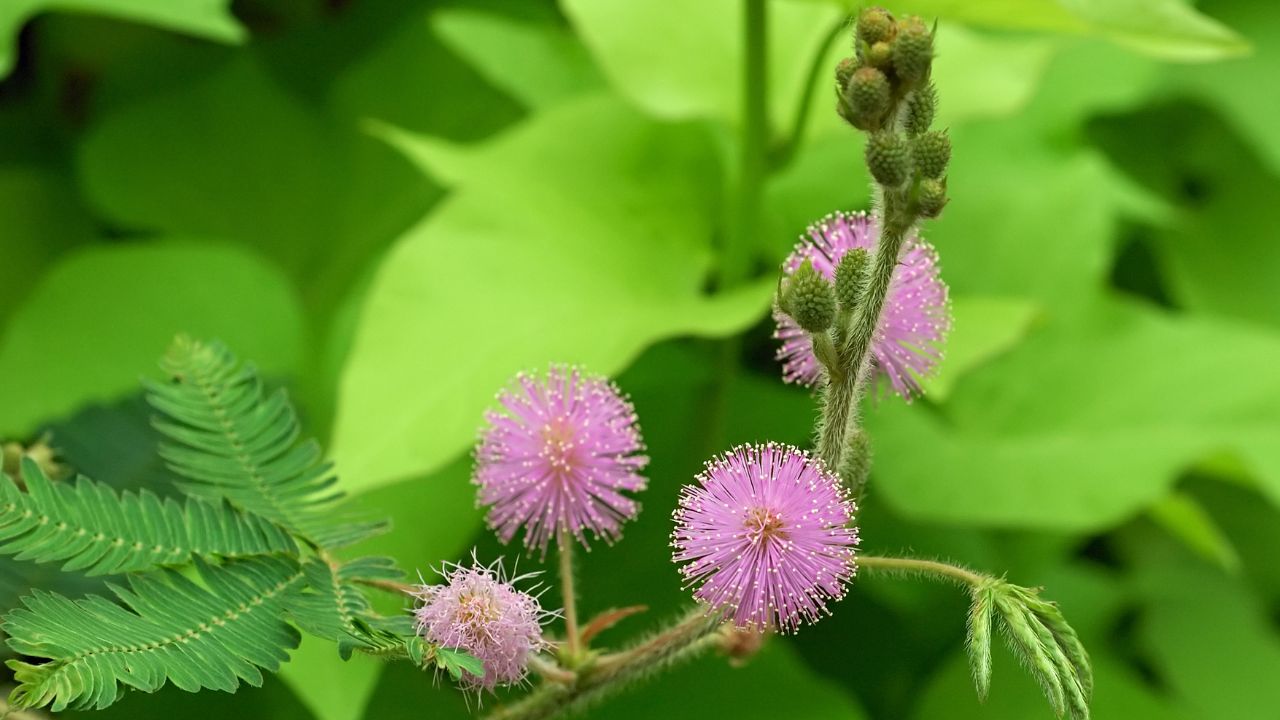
391, 207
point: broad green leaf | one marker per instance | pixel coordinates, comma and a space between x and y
1026, 218
1168, 29
1085, 424
1210, 639
538, 63
1218, 251
100, 318
207, 19
1183, 517
582, 236
982, 328
257, 165
40, 219
1232, 87
684, 60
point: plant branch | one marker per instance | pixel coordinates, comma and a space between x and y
923, 568
686, 638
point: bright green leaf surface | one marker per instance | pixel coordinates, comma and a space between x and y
697, 73
573, 205
1168, 29
100, 319
539, 64
208, 19
1081, 427
982, 328
330, 687
1184, 518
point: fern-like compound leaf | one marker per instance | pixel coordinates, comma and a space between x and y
229, 439
332, 605
89, 527
168, 629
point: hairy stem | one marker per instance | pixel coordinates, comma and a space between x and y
689, 636
925, 568
568, 592
843, 390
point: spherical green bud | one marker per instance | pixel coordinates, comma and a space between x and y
875, 24
919, 109
931, 152
880, 55
888, 158
912, 50
844, 71
932, 197
867, 97
809, 299
849, 277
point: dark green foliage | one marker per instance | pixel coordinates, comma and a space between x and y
89, 527
230, 440
169, 629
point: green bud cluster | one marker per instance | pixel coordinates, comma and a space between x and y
885, 91
849, 277
809, 299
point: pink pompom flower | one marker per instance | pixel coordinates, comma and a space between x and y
560, 456
479, 610
765, 537
916, 316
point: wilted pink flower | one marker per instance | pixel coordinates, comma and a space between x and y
559, 456
765, 537
478, 610
916, 316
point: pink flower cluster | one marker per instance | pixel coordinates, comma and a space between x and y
480, 611
766, 537
560, 457
916, 316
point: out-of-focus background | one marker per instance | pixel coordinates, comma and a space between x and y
393, 206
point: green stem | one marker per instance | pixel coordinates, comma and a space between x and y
788, 151
927, 568
844, 390
686, 638
741, 244
569, 596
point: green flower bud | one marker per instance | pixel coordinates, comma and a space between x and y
919, 109
880, 55
849, 277
913, 50
932, 197
867, 98
844, 72
931, 152
809, 299
875, 24
888, 158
